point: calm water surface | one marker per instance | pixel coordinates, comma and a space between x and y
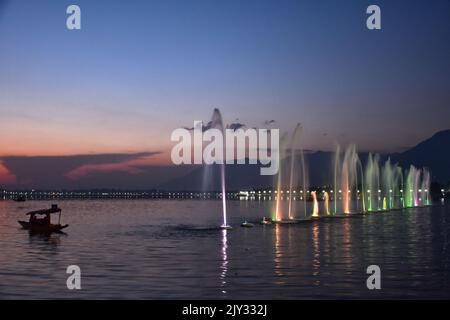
168, 249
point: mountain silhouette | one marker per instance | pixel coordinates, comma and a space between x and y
433, 153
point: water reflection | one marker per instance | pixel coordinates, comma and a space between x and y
46, 242
316, 253
347, 242
145, 257
224, 265
278, 255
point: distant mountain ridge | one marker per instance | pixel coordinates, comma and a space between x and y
432, 153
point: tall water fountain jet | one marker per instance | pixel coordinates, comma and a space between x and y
401, 187
293, 149
217, 123
337, 172
416, 187
349, 176
305, 180
426, 179
391, 184
410, 187
398, 174
372, 182
346, 178
326, 200
387, 183
315, 213
277, 216
363, 192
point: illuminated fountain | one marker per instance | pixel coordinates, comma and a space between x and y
315, 213
426, 180
409, 187
346, 181
217, 123
294, 137
388, 184
305, 181
391, 184
377, 187
383, 187
357, 189
326, 201
372, 182
293, 176
277, 215
417, 186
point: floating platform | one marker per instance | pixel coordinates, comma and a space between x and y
284, 221
267, 221
301, 220
246, 224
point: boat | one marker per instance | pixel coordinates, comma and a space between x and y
36, 224
266, 221
246, 224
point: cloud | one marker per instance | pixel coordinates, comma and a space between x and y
60, 171
129, 165
204, 127
235, 126
6, 177
87, 169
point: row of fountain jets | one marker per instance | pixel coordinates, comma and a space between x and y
377, 187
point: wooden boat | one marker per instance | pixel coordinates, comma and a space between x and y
49, 228
44, 224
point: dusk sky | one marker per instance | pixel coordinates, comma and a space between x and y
139, 69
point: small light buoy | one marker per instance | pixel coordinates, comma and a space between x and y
246, 224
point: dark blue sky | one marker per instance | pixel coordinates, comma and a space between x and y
139, 69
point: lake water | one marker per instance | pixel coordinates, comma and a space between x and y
169, 249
